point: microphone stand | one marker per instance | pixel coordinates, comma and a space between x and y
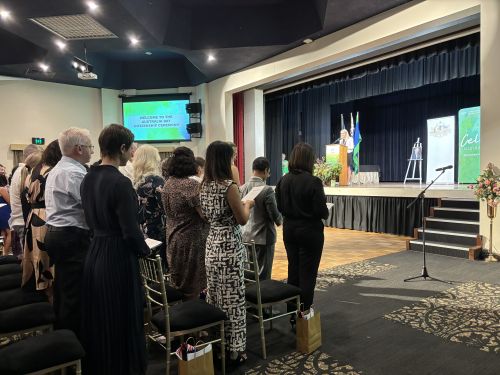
425, 274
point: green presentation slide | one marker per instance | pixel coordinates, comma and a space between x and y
156, 121
469, 142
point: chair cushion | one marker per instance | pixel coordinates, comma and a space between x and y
9, 259
40, 352
19, 297
188, 315
8, 269
27, 316
271, 291
12, 281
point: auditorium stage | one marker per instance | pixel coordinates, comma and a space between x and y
389, 189
383, 208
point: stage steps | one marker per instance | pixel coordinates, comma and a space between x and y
452, 230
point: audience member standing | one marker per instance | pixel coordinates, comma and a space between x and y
4, 211
113, 327
128, 169
222, 206
36, 262
260, 226
67, 238
235, 173
149, 185
16, 189
301, 200
200, 168
186, 229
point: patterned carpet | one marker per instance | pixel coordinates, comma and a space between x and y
468, 314
340, 274
297, 363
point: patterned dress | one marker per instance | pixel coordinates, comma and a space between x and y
186, 236
35, 258
224, 259
151, 211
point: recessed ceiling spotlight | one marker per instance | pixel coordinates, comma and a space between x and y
44, 67
92, 5
211, 58
308, 40
61, 45
133, 40
4, 14
149, 53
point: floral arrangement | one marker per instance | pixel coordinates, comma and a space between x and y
488, 186
327, 172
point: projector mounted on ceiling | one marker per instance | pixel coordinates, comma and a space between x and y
87, 75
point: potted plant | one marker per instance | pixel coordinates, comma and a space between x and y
488, 189
327, 172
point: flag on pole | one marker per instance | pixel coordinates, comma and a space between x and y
351, 132
357, 141
342, 125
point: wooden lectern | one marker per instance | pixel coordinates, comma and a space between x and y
336, 153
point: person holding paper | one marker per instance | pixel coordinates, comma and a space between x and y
112, 294
301, 199
260, 226
222, 206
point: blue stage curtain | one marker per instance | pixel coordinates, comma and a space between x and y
446, 74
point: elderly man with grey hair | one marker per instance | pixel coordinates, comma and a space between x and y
68, 237
16, 221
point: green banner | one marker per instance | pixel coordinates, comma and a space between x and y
469, 131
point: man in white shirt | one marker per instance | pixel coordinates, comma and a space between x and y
16, 221
128, 169
68, 237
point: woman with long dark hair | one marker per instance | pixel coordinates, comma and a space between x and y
302, 202
112, 296
222, 206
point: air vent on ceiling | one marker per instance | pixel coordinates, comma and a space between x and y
78, 26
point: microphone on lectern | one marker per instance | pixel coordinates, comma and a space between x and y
444, 168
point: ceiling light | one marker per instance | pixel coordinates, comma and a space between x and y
92, 5
82, 68
308, 40
44, 67
75, 64
133, 40
61, 45
210, 58
4, 14
148, 53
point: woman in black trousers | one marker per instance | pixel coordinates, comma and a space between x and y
301, 199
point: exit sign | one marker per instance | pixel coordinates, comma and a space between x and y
38, 141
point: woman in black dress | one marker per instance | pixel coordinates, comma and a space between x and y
112, 300
302, 202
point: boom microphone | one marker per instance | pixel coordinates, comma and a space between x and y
444, 168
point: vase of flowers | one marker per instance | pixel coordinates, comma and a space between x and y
488, 189
327, 172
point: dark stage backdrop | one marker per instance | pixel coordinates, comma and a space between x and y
395, 97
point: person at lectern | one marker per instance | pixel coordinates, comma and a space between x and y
301, 200
346, 140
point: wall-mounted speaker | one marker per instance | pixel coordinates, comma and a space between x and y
194, 128
193, 108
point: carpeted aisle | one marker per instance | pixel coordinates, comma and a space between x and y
374, 323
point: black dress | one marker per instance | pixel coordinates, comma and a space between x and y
112, 299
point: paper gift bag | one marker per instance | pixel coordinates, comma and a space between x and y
198, 363
308, 334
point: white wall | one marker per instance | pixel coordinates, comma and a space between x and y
41, 109
253, 128
490, 108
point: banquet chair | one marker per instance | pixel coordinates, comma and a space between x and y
177, 320
266, 293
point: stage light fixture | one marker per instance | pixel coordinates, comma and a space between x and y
44, 67
81, 66
74, 64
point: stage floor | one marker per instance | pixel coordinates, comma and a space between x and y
389, 189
